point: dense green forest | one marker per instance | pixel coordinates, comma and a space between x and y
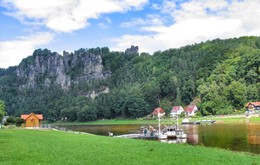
220, 75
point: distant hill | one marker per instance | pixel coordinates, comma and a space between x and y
88, 84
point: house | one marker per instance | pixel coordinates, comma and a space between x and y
32, 120
176, 110
253, 107
191, 110
158, 110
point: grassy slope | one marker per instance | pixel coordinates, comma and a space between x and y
20, 146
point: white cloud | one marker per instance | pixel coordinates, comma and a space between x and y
146, 43
105, 24
58, 15
66, 15
137, 22
12, 52
168, 6
196, 21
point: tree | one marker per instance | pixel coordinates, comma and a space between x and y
135, 106
151, 91
103, 107
2, 109
69, 113
87, 113
223, 73
236, 92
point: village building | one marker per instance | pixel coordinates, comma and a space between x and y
191, 110
176, 110
253, 107
32, 120
158, 110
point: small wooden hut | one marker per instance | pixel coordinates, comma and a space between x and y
32, 120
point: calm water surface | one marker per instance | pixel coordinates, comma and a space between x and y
237, 137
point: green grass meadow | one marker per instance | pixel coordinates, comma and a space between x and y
163, 121
21, 146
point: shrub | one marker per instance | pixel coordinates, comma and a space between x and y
19, 121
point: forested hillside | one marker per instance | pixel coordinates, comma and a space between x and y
221, 75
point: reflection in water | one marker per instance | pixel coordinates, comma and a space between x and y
192, 133
174, 141
238, 137
105, 129
253, 133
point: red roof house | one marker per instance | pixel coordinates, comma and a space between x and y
176, 110
32, 120
191, 110
158, 110
252, 106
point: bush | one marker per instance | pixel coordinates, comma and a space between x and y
19, 121
14, 121
182, 114
10, 121
198, 114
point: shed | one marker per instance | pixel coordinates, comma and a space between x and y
32, 120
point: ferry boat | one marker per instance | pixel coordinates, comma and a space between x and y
175, 131
168, 132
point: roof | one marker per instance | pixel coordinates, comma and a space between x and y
39, 116
176, 108
253, 103
158, 110
190, 108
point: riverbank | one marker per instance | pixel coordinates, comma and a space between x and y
218, 119
21, 146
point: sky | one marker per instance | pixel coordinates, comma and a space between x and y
153, 25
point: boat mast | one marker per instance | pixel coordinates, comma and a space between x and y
159, 130
177, 120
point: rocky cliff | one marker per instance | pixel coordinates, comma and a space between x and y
45, 67
132, 50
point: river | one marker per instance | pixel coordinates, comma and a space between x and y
237, 137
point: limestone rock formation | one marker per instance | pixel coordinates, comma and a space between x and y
132, 50
47, 68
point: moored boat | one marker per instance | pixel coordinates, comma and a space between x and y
187, 121
175, 131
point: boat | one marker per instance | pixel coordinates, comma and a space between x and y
206, 121
187, 121
160, 135
148, 133
171, 132
175, 131
153, 133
